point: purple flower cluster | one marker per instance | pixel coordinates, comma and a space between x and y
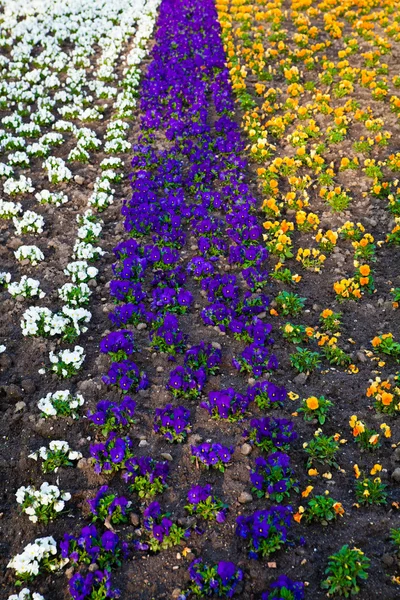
168, 337
226, 404
161, 532
212, 455
200, 268
265, 531
203, 356
118, 344
204, 504
131, 314
267, 395
273, 477
284, 587
185, 382
271, 434
255, 279
170, 300
127, 375
172, 423
221, 580
110, 416
221, 287
92, 585
108, 506
255, 360
110, 456
106, 550
145, 475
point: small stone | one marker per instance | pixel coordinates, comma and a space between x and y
14, 243
160, 369
316, 307
20, 406
28, 385
143, 443
300, 379
135, 520
5, 361
166, 456
194, 439
93, 567
82, 463
246, 449
141, 326
245, 498
388, 560
216, 345
144, 393
13, 392
69, 572
176, 593
92, 283
396, 475
396, 455
361, 356
79, 179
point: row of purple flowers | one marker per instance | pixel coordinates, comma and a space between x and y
196, 183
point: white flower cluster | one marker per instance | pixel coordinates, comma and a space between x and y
90, 228
67, 362
5, 278
5, 170
103, 195
56, 170
56, 446
25, 594
75, 294
31, 253
40, 321
23, 185
85, 251
88, 232
28, 563
26, 287
80, 271
48, 499
8, 210
20, 159
30, 222
54, 198
61, 403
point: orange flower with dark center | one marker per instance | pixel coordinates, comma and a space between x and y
338, 508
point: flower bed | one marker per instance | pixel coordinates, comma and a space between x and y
198, 471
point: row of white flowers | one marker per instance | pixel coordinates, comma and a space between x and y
63, 87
